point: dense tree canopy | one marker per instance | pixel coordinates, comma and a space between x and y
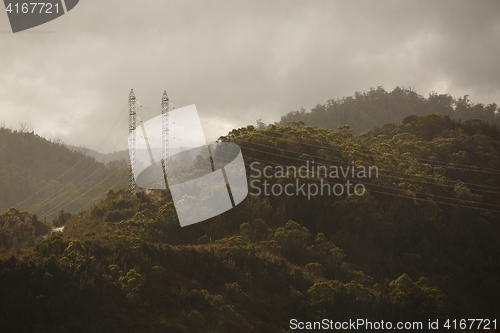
377, 106
421, 243
46, 177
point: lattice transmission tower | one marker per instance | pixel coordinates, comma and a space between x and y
165, 104
132, 123
131, 139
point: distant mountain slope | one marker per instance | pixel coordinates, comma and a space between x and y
376, 107
121, 155
45, 176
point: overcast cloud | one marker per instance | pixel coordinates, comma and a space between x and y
238, 61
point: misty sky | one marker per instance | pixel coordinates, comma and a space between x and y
238, 61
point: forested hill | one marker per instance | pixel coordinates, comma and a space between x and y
362, 111
421, 244
46, 177
434, 209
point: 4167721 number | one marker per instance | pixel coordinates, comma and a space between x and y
32, 8
470, 324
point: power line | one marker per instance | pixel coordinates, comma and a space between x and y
378, 185
36, 206
52, 181
100, 197
392, 188
55, 210
71, 168
471, 167
49, 200
45, 202
404, 196
384, 170
380, 169
450, 165
391, 171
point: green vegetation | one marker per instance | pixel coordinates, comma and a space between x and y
377, 106
429, 213
20, 229
125, 276
422, 242
46, 177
